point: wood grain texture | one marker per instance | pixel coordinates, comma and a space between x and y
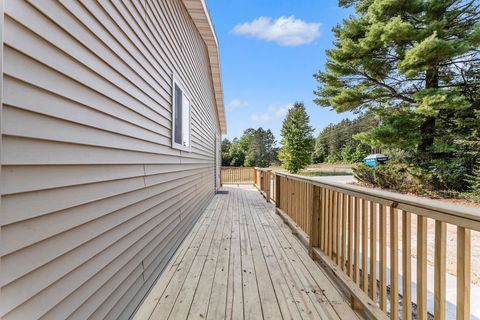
440, 269
406, 266
383, 257
373, 250
270, 281
464, 251
422, 267
393, 263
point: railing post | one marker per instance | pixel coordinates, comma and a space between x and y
315, 204
267, 185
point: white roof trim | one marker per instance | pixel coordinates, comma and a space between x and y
199, 13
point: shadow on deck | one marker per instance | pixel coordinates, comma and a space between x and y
242, 262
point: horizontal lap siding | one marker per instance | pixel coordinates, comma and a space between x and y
94, 199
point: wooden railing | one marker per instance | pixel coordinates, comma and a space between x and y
236, 175
263, 180
347, 229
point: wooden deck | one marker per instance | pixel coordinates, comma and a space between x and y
242, 262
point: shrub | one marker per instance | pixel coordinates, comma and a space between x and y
365, 174
438, 176
390, 176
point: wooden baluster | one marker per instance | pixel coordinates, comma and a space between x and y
327, 222
463, 273
304, 211
406, 266
357, 241
284, 194
421, 268
300, 205
339, 230
334, 225
364, 246
323, 220
267, 186
288, 202
309, 194
331, 227
344, 232
350, 236
440, 265
314, 225
373, 252
297, 203
305, 202
278, 181
393, 264
383, 257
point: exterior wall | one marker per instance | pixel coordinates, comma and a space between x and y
94, 199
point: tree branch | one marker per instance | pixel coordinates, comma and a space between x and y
392, 90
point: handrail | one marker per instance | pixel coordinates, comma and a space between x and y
345, 227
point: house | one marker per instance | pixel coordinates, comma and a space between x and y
111, 119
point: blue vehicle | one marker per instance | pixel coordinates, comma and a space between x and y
373, 160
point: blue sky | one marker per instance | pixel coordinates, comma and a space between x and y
267, 63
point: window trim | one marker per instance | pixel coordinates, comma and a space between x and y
175, 145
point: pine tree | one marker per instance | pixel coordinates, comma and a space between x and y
297, 139
474, 180
260, 151
415, 62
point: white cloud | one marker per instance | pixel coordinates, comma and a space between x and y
237, 103
257, 117
286, 31
274, 112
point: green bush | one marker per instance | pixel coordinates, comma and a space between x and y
390, 176
438, 176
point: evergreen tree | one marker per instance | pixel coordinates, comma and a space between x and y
297, 139
416, 62
337, 143
261, 148
475, 182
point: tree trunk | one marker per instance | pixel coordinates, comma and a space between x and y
428, 127
427, 131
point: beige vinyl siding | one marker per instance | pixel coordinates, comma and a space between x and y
94, 200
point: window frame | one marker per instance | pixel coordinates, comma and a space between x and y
177, 82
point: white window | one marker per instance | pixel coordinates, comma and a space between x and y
181, 118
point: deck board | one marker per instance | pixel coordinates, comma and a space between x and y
242, 262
